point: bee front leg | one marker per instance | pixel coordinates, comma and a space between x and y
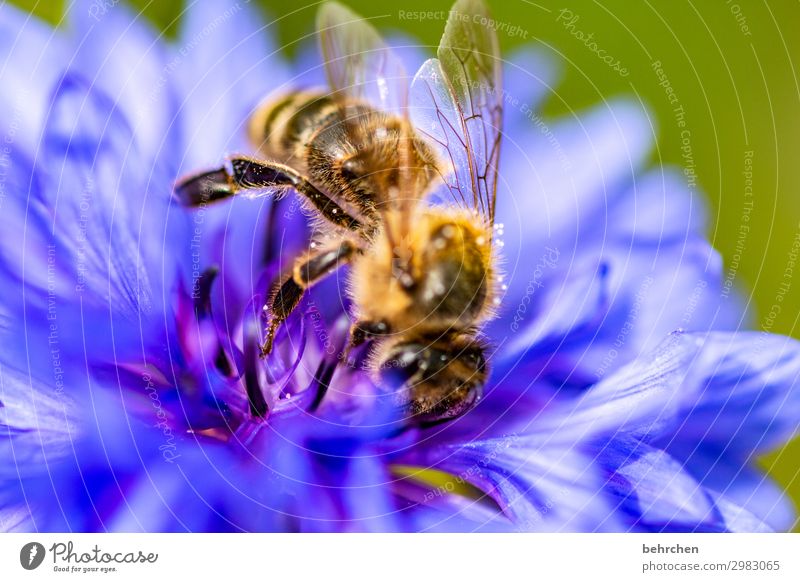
363, 331
307, 272
241, 174
285, 299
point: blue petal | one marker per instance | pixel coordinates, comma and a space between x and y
746, 397
308, 67
207, 488
651, 291
29, 249
38, 422
538, 488
738, 519
556, 185
558, 311
33, 57
664, 288
118, 52
529, 77
15, 519
132, 476
659, 493
107, 201
335, 465
225, 62
659, 207
642, 398
655, 489
731, 478
436, 510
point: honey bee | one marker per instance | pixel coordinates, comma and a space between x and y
400, 179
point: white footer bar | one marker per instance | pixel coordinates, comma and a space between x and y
410, 558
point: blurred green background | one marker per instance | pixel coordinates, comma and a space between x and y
733, 67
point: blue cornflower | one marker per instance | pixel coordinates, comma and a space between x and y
130, 327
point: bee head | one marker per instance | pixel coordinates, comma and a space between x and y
436, 381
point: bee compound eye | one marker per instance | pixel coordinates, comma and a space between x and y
402, 365
433, 384
477, 360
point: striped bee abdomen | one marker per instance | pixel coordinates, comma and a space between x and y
280, 127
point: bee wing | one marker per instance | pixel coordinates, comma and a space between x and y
358, 63
457, 102
360, 66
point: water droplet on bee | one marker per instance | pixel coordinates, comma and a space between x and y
504, 287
